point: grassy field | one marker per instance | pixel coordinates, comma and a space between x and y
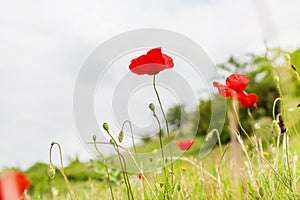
261, 164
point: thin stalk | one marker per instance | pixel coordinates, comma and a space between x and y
160, 142
123, 166
219, 138
274, 106
167, 126
287, 161
106, 169
129, 152
131, 132
61, 169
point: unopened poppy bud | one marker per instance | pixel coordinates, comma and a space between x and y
51, 171
111, 141
276, 79
152, 106
276, 127
121, 136
94, 138
105, 126
178, 187
161, 184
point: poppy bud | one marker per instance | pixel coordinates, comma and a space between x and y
178, 187
94, 138
276, 127
51, 171
276, 79
121, 136
111, 141
105, 126
152, 107
161, 184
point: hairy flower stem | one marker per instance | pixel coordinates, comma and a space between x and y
123, 166
167, 126
106, 169
160, 143
131, 132
61, 169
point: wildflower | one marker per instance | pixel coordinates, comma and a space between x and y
234, 89
151, 63
140, 177
185, 144
13, 185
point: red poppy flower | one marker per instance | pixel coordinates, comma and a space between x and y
247, 100
13, 185
140, 177
234, 89
151, 63
185, 144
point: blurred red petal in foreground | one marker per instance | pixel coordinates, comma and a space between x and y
13, 185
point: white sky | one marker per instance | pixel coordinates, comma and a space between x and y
44, 43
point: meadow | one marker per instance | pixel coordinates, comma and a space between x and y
256, 156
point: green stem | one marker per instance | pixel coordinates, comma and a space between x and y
106, 169
274, 106
287, 161
219, 138
131, 132
61, 169
160, 142
167, 126
142, 173
123, 166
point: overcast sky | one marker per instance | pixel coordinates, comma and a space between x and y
43, 45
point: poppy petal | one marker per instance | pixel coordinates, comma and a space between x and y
247, 100
151, 63
224, 90
185, 144
237, 82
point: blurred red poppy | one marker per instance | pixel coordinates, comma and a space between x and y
234, 89
185, 144
13, 185
151, 63
247, 100
140, 177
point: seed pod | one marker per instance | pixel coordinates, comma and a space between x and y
276, 127
121, 136
51, 171
105, 126
111, 141
94, 138
152, 106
